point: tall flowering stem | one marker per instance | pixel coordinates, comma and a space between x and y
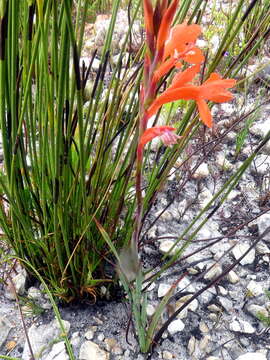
169, 48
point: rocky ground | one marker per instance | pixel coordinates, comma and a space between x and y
222, 323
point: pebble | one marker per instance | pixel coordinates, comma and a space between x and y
75, 339
204, 197
166, 245
241, 326
58, 352
255, 288
222, 291
201, 172
41, 337
167, 355
176, 326
191, 345
100, 337
260, 128
34, 293
240, 249
254, 310
214, 308
214, 272
89, 335
110, 343
252, 356
193, 306
263, 223
204, 342
261, 164
150, 310
225, 303
18, 282
203, 327
163, 289
222, 163
185, 285
232, 277
262, 248
90, 351
5, 327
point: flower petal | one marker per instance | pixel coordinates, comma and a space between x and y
205, 113
181, 36
184, 77
165, 24
194, 56
153, 132
164, 68
185, 93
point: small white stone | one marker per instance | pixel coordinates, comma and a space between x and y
166, 245
163, 289
89, 351
192, 345
201, 172
75, 339
5, 327
150, 310
255, 288
101, 337
203, 327
18, 282
214, 308
176, 326
260, 129
205, 197
222, 163
222, 290
262, 164
241, 326
204, 342
89, 335
262, 248
240, 249
212, 358
186, 285
193, 306
232, 277
254, 310
214, 272
252, 356
58, 352
34, 293
233, 195
167, 355
263, 223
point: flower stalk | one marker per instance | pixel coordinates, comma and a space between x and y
167, 49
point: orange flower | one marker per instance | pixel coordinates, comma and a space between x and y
181, 42
213, 89
164, 132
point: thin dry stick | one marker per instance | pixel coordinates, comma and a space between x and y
22, 318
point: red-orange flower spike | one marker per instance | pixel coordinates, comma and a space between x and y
214, 89
165, 25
